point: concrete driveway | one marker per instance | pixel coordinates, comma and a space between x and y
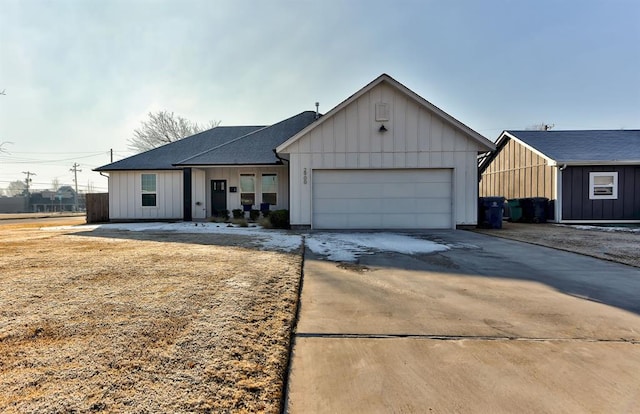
491, 325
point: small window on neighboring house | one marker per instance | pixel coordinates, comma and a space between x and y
247, 189
270, 189
149, 195
603, 185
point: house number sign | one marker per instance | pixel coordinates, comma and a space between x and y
304, 176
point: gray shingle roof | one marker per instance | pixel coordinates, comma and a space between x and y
163, 158
255, 148
234, 145
587, 146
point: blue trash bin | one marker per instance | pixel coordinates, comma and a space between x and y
490, 212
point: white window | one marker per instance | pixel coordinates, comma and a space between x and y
603, 185
247, 189
270, 189
149, 194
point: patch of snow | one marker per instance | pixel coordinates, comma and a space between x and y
633, 229
340, 247
346, 247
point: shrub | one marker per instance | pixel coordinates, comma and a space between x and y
279, 219
219, 216
266, 213
240, 222
238, 213
264, 223
254, 214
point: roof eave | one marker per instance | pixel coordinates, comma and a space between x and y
489, 146
102, 169
595, 162
260, 164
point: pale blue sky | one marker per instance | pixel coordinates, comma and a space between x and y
80, 75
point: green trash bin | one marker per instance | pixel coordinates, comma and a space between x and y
515, 210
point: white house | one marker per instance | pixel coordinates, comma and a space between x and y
385, 158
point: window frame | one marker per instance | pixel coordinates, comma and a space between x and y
253, 175
593, 185
147, 192
275, 192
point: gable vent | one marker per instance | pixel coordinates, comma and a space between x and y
382, 111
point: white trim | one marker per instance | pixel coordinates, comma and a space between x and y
277, 187
551, 161
557, 193
143, 192
600, 221
489, 145
592, 185
587, 163
255, 187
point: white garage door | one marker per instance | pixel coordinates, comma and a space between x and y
382, 199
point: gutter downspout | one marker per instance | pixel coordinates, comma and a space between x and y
558, 194
282, 160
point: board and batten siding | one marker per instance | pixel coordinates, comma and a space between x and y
518, 172
125, 196
232, 176
415, 138
576, 204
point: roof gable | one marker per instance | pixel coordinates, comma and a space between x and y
384, 78
580, 146
254, 148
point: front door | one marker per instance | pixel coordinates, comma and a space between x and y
218, 196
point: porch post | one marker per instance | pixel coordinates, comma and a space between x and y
186, 179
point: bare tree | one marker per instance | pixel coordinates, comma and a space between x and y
16, 188
2, 149
55, 184
163, 128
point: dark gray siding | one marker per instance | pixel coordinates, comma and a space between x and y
576, 204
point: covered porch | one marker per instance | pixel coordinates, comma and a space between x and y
210, 191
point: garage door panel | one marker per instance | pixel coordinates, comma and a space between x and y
433, 221
363, 205
396, 190
393, 198
332, 206
335, 221
438, 189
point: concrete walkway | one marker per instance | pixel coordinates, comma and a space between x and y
490, 326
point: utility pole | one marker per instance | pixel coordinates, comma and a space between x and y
111, 152
27, 181
75, 171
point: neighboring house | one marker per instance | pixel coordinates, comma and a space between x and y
383, 158
591, 176
61, 200
43, 201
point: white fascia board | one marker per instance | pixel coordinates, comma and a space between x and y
599, 221
484, 142
599, 162
550, 160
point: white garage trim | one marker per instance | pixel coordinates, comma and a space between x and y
382, 199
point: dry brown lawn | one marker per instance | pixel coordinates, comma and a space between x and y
93, 321
621, 247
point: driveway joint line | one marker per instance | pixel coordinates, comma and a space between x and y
459, 337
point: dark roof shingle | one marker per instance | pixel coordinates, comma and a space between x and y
254, 148
163, 158
587, 145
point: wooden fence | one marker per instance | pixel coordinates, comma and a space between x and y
97, 207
